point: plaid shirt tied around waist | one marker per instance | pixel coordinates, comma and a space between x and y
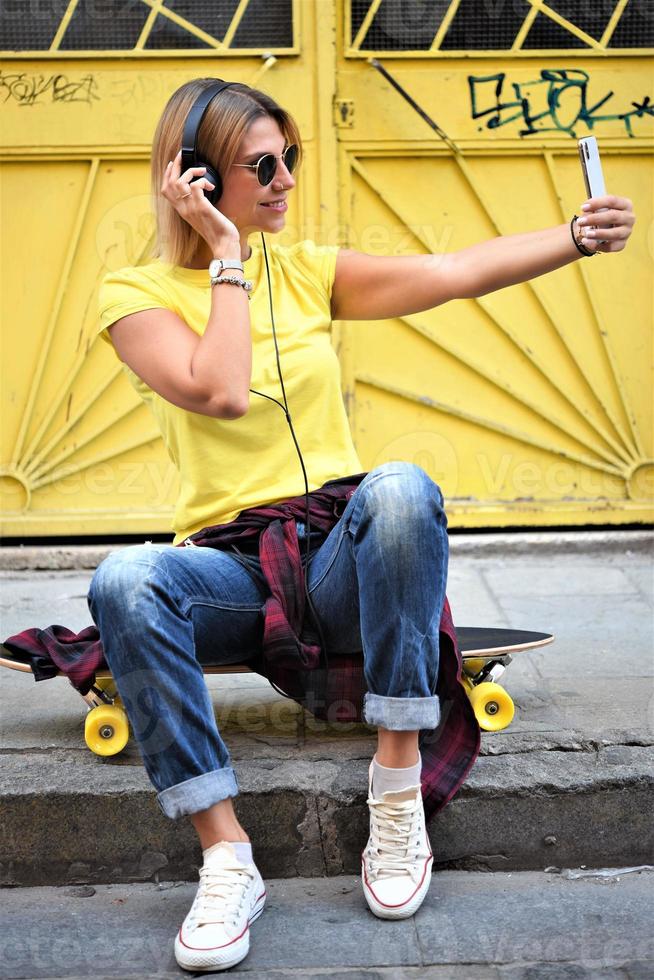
291, 657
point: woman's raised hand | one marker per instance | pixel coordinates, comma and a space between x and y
606, 220
185, 191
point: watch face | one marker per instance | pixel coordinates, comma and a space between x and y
215, 267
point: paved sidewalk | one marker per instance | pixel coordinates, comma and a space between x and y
578, 752
472, 926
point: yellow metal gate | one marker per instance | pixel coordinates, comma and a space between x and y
80, 97
530, 406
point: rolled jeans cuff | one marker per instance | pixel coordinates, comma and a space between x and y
198, 793
401, 714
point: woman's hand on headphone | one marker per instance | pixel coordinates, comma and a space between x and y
185, 191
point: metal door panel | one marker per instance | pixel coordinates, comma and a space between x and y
530, 405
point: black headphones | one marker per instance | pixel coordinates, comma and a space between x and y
190, 138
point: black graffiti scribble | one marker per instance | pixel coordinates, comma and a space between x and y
27, 89
132, 89
559, 100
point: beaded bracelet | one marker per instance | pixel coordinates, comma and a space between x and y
234, 281
579, 245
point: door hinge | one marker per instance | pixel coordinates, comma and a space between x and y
344, 113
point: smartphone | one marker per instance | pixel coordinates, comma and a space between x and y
591, 167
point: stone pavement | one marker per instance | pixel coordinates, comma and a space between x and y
472, 926
578, 754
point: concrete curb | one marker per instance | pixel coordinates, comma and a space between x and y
54, 558
540, 543
71, 818
508, 545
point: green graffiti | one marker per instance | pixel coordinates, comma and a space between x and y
558, 100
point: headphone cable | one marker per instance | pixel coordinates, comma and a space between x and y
284, 408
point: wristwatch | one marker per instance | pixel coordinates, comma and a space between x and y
218, 266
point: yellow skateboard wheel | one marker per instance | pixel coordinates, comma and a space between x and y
493, 706
472, 665
106, 730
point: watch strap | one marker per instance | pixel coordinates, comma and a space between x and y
229, 264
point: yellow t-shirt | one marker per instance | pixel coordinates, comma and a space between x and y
227, 466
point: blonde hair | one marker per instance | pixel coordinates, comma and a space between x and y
227, 119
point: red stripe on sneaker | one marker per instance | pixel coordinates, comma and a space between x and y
262, 895
399, 905
206, 949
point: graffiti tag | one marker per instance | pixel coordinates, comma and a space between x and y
27, 90
559, 100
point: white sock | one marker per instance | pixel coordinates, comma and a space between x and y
386, 780
243, 851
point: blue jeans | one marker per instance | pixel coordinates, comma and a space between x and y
377, 583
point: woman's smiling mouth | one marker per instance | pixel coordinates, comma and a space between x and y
275, 205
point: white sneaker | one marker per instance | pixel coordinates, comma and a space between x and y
216, 932
396, 863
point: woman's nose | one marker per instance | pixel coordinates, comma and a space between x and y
283, 176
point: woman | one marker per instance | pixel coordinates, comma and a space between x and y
203, 356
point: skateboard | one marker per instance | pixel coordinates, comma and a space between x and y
486, 654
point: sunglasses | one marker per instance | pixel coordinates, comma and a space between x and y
266, 166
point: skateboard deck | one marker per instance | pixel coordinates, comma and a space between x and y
486, 653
